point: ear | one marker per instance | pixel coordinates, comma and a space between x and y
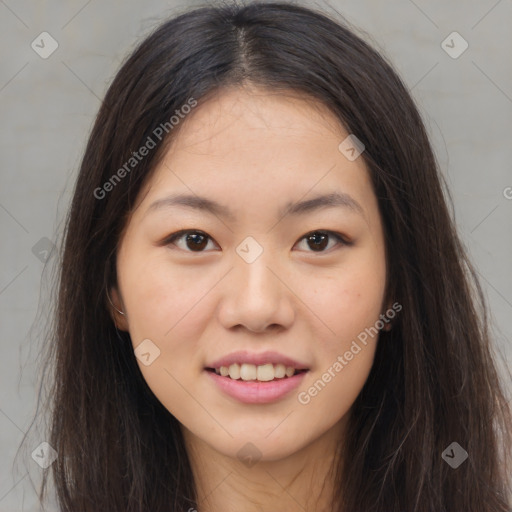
116, 309
388, 325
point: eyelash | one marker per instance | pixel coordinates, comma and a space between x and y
179, 234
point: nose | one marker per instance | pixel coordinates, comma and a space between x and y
255, 296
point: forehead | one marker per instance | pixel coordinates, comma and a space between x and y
248, 148
257, 112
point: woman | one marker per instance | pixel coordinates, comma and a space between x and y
264, 303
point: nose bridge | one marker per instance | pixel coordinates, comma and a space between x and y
254, 296
253, 273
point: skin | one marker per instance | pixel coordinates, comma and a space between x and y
255, 151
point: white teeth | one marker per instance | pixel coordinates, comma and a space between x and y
279, 371
234, 371
248, 372
264, 372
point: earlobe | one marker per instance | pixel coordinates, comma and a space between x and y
388, 323
387, 326
116, 312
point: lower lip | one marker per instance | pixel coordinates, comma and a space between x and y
251, 392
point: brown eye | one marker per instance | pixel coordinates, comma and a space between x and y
318, 240
194, 241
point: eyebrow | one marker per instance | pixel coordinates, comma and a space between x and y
331, 200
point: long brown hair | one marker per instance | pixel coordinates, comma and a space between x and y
435, 379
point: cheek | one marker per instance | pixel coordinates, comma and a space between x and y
347, 301
163, 299
165, 306
332, 390
349, 307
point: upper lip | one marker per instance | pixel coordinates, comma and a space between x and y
244, 356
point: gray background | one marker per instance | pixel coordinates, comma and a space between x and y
48, 105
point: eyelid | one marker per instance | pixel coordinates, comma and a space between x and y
342, 240
178, 234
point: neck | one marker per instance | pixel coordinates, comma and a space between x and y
302, 481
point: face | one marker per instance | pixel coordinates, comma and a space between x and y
259, 267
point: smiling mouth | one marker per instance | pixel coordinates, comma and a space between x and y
257, 373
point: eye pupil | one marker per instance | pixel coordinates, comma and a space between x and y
194, 237
315, 239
